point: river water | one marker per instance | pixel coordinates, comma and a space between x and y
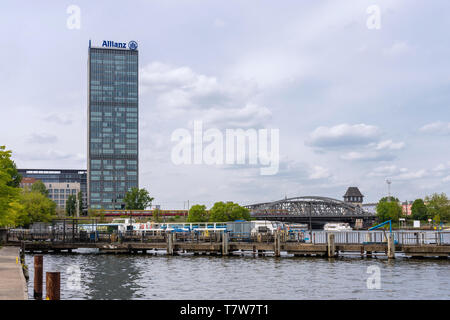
87, 274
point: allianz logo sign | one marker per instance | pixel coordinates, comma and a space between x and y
132, 45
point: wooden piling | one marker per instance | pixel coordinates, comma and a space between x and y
391, 247
38, 277
53, 285
225, 244
331, 245
277, 244
22, 252
170, 244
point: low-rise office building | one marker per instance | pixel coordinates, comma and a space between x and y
59, 192
70, 181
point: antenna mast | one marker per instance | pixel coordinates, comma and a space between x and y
389, 188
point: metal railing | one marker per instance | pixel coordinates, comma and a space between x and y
316, 237
400, 237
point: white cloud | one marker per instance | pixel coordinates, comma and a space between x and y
180, 92
440, 167
361, 142
439, 127
319, 173
390, 145
343, 135
50, 155
42, 138
59, 118
219, 23
446, 179
250, 116
397, 49
396, 173
412, 175
161, 77
367, 156
384, 171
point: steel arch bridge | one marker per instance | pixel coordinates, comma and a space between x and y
319, 209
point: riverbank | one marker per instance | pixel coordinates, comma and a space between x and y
13, 285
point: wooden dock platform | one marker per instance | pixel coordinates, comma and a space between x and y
331, 245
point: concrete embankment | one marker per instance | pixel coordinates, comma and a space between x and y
13, 285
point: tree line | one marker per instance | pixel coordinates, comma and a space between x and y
435, 207
220, 212
21, 207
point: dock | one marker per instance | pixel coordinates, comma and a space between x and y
320, 244
13, 285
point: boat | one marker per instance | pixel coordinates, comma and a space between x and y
339, 226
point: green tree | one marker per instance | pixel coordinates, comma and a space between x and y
198, 213
97, 213
389, 199
156, 215
80, 203
388, 210
137, 199
438, 207
10, 206
36, 208
229, 211
418, 210
40, 187
9, 167
71, 205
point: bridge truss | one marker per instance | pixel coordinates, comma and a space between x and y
309, 206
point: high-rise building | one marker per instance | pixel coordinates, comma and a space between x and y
113, 140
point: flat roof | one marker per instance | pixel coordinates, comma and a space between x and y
52, 171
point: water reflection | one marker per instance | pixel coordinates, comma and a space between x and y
146, 276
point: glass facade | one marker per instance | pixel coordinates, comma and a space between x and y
113, 142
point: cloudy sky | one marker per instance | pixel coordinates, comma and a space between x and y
354, 105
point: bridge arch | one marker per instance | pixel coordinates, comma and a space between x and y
308, 206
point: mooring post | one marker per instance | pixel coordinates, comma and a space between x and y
277, 244
174, 240
225, 244
331, 245
369, 240
169, 243
38, 276
53, 285
22, 252
391, 247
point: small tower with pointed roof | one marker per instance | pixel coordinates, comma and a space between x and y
354, 196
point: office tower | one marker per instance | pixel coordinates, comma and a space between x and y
113, 140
